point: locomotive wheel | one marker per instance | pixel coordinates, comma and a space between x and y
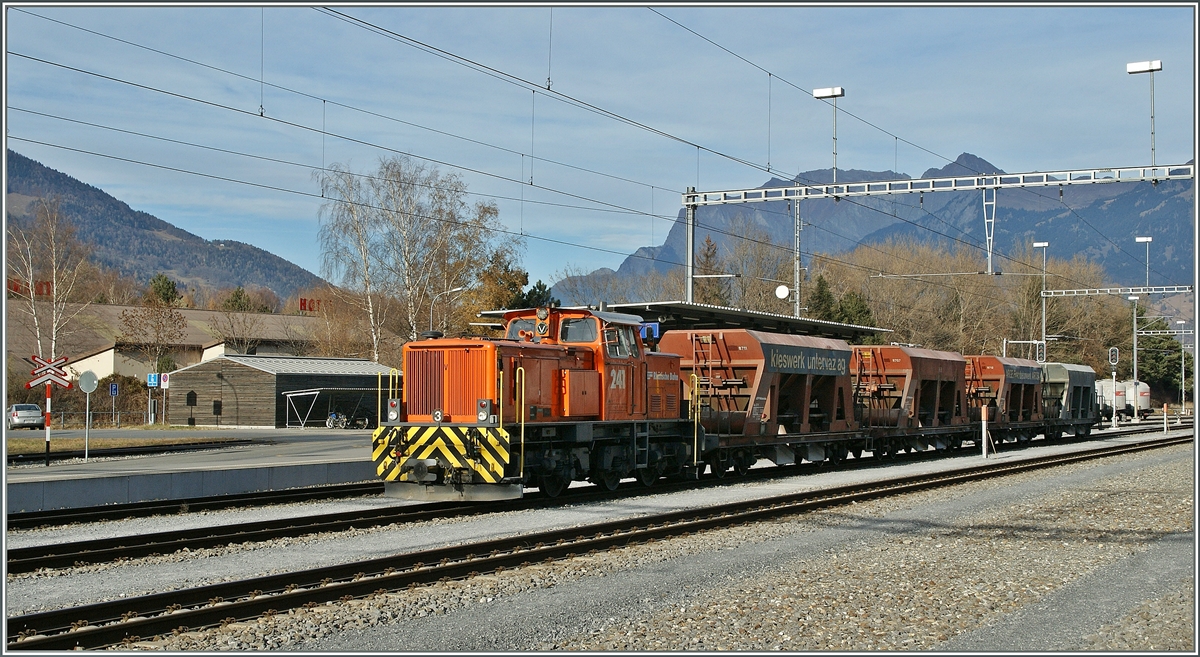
647, 476
552, 485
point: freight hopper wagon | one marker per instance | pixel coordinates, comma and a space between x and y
1011, 391
766, 395
566, 395
1069, 400
907, 398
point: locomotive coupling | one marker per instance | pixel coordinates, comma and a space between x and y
420, 469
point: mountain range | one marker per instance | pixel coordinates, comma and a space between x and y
1097, 221
141, 245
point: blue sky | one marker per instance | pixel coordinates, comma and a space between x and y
1027, 88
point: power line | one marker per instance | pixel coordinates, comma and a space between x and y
503, 231
886, 132
311, 167
494, 72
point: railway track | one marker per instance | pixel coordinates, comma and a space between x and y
161, 507
110, 452
79, 553
127, 620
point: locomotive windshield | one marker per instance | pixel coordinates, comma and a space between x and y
581, 329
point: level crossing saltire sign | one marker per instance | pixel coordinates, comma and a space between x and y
49, 371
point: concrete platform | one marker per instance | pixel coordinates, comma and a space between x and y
293, 459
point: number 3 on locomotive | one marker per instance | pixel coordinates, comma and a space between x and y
618, 379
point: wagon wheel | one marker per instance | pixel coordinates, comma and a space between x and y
718, 468
647, 476
552, 485
741, 464
606, 479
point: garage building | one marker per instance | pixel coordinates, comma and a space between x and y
236, 390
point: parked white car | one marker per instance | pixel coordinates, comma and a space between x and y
25, 415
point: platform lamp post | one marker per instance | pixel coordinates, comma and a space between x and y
834, 93
1146, 240
1044, 246
1182, 367
1147, 67
433, 302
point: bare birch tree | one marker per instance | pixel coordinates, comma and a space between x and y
45, 265
351, 243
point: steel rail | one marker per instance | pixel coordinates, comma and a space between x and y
158, 507
109, 452
78, 553
123, 621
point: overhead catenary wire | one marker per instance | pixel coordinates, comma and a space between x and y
400, 37
502, 231
895, 137
382, 147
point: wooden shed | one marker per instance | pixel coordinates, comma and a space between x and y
237, 390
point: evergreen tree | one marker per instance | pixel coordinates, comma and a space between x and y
821, 304
537, 296
713, 291
162, 290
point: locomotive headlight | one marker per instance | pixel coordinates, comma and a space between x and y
393, 415
483, 410
482, 416
542, 314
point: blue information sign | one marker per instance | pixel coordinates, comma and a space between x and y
152, 380
112, 390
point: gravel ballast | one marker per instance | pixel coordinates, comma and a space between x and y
938, 569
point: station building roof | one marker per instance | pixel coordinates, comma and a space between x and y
280, 364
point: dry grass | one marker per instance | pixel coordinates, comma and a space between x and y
37, 443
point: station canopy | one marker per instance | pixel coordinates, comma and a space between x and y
680, 315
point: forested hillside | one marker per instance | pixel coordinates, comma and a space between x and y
141, 245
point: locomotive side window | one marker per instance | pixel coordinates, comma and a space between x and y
612, 342
629, 341
581, 329
518, 325
621, 342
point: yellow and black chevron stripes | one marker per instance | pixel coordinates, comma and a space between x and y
483, 450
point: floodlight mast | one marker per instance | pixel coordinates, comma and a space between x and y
1044, 246
1146, 241
1147, 67
834, 93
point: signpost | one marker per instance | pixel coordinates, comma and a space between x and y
48, 372
151, 383
164, 382
87, 383
112, 392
